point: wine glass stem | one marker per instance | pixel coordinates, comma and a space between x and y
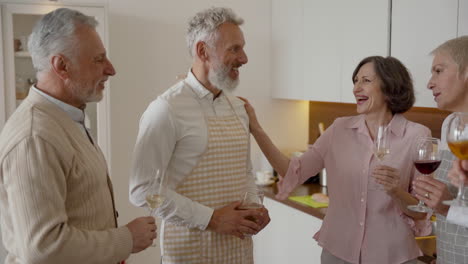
421, 204
151, 211
461, 187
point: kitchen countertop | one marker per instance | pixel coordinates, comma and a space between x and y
304, 189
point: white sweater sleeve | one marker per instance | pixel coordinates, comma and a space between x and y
157, 139
458, 215
35, 180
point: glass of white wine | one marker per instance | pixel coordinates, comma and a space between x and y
381, 150
154, 195
381, 144
457, 140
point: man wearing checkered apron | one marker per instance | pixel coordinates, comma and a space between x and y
197, 134
449, 85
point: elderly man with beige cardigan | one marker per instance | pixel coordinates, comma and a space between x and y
56, 198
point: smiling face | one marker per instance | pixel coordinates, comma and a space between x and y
367, 91
226, 57
448, 86
90, 69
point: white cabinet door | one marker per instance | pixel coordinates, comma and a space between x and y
462, 17
419, 26
322, 50
287, 48
366, 33
317, 44
288, 238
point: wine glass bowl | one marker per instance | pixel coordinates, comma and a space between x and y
457, 141
381, 143
381, 149
426, 160
154, 201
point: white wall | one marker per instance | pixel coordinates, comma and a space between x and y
147, 47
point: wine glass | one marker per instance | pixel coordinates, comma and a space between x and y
381, 145
426, 160
251, 200
381, 149
154, 196
457, 139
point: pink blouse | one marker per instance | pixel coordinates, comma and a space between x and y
363, 224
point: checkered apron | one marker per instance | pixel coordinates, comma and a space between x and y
219, 178
452, 239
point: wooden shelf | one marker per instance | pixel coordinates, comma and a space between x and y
22, 54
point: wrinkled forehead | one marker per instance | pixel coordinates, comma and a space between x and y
89, 42
366, 70
229, 34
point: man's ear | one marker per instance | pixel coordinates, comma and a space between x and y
61, 66
201, 49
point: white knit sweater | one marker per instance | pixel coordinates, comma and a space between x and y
56, 201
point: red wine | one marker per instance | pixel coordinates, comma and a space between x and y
427, 166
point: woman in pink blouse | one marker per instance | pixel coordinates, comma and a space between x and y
367, 220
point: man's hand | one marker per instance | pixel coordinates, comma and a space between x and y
229, 220
143, 231
432, 192
458, 172
265, 220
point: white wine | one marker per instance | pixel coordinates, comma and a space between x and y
381, 153
154, 200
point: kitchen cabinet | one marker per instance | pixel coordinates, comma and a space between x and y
419, 26
287, 48
17, 73
289, 236
317, 44
462, 17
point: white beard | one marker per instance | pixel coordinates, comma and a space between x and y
85, 96
219, 78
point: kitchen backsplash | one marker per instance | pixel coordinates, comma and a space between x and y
327, 112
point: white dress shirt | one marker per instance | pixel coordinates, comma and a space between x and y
172, 138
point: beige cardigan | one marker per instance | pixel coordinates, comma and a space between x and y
56, 201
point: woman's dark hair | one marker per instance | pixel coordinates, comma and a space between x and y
397, 85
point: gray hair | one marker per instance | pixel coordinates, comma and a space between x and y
203, 26
55, 33
456, 48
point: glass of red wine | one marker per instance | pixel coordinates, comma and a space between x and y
457, 140
426, 160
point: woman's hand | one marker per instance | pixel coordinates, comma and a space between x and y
388, 177
254, 125
458, 172
432, 192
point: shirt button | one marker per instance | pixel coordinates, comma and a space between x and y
362, 200
361, 223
